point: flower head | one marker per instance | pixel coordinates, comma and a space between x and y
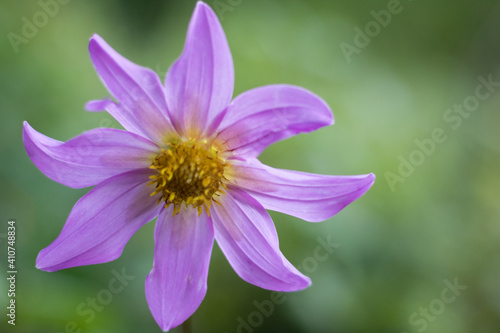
188, 156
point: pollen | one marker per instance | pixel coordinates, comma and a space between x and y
188, 172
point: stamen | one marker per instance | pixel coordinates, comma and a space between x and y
188, 172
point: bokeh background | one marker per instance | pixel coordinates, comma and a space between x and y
395, 247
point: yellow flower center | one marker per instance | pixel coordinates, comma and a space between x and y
188, 172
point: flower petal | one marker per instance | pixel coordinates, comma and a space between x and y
90, 157
248, 238
177, 283
262, 116
97, 105
116, 111
142, 106
101, 222
199, 85
307, 196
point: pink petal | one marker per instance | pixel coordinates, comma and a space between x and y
307, 196
177, 283
118, 112
142, 107
248, 238
102, 222
262, 116
199, 85
90, 157
98, 105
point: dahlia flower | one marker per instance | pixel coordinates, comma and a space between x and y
188, 156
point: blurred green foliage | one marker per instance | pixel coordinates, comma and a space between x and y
397, 245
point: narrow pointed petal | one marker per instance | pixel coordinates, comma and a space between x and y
89, 158
177, 283
118, 112
262, 116
142, 107
248, 238
101, 222
308, 196
97, 105
199, 85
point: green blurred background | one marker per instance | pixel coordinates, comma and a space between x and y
396, 246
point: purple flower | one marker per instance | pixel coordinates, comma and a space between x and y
189, 157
